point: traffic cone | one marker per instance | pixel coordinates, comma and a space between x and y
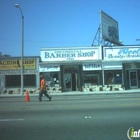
27, 96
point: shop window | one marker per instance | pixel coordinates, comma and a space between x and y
12, 81
113, 77
15, 80
91, 78
52, 79
29, 80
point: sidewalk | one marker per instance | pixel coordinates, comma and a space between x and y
73, 93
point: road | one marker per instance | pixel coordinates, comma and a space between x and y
87, 117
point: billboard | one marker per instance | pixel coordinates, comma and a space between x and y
109, 28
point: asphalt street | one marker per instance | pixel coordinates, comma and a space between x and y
87, 117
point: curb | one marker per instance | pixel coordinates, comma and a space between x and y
74, 94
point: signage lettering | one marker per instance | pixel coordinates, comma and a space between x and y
74, 54
44, 68
13, 72
58, 54
124, 53
122, 56
16, 64
92, 66
49, 67
127, 51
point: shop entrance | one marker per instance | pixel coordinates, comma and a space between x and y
71, 78
70, 83
133, 79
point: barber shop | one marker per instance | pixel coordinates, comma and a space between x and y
71, 69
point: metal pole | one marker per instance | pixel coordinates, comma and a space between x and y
22, 51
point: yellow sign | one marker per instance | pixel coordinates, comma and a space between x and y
16, 64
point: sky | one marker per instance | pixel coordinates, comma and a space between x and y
63, 23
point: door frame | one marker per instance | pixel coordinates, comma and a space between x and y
66, 76
130, 80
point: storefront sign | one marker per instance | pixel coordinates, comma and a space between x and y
17, 72
92, 66
122, 53
70, 54
16, 64
49, 68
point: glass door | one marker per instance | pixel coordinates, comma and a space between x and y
67, 82
133, 79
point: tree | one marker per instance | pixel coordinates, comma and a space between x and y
4, 55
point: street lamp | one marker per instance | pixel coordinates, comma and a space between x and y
22, 48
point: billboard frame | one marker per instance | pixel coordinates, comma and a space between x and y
109, 28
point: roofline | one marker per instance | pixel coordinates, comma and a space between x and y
69, 48
17, 57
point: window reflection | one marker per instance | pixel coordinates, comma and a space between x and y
91, 78
15, 80
113, 77
52, 79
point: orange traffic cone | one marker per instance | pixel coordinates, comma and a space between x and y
27, 96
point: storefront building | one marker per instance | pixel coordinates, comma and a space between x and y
74, 69
121, 65
71, 69
91, 68
10, 74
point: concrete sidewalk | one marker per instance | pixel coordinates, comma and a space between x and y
73, 93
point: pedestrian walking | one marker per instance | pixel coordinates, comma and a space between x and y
43, 89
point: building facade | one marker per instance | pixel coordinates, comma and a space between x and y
10, 74
91, 68
121, 65
74, 69
71, 69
